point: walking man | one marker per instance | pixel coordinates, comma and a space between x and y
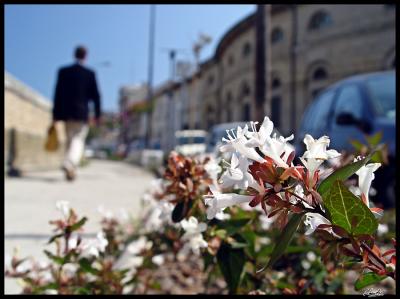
76, 86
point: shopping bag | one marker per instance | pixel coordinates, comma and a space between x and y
52, 143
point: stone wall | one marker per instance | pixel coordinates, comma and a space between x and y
27, 116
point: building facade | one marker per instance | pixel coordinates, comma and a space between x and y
27, 117
313, 46
132, 98
307, 48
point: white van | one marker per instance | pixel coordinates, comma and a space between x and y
191, 142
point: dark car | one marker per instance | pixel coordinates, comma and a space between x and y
351, 109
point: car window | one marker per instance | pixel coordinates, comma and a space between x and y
308, 118
382, 91
350, 101
320, 114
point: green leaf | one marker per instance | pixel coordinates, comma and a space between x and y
367, 279
52, 239
231, 263
208, 260
86, 266
78, 225
250, 237
283, 242
357, 145
348, 211
180, 211
343, 173
234, 225
373, 140
83, 291
57, 259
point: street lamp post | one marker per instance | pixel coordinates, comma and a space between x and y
150, 73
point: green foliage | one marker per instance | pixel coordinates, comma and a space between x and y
342, 174
86, 266
231, 263
283, 242
78, 225
180, 211
61, 260
232, 226
348, 211
368, 279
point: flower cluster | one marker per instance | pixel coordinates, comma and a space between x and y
261, 172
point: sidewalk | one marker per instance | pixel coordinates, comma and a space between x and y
30, 203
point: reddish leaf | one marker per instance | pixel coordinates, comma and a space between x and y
339, 231
296, 209
274, 212
376, 250
256, 200
290, 158
388, 252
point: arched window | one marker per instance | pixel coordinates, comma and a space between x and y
231, 61
276, 110
246, 112
210, 116
246, 49
228, 107
276, 83
319, 20
320, 74
210, 80
276, 35
245, 89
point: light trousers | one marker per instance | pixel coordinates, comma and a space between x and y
76, 132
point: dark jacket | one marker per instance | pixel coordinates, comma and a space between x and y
76, 86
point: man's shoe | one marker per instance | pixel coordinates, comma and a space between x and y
69, 174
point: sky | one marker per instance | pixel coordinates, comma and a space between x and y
41, 38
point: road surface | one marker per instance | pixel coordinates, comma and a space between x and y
30, 203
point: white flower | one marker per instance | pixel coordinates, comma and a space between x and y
105, 213
139, 245
257, 139
365, 178
213, 169
218, 201
94, 247
316, 149
63, 207
47, 276
26, 265
272, 147
70, 269
124, 215
237, 143
266, 221
131, 259
313, 220
311, 164
306, 265
158, 259
237, 174
158, 216
43, 264
192, 227
382, 229
193, 230
51, 292
311, 256
222, 216
73, 242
